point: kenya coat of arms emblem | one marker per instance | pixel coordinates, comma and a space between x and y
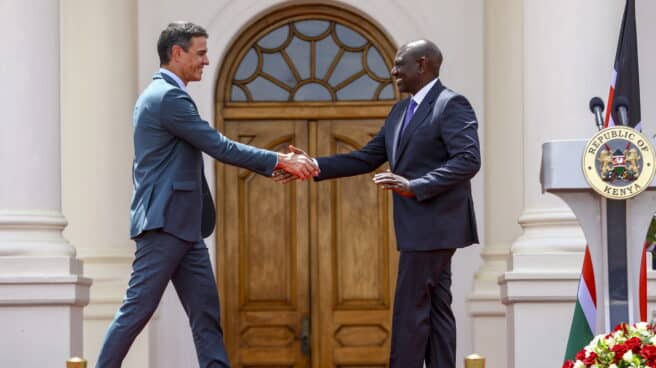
618, 162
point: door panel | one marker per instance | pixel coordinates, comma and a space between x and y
267, 265
321, 250
356, 257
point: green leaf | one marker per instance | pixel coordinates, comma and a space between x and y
651, 234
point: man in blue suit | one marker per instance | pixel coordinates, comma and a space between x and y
172, 208
431, 143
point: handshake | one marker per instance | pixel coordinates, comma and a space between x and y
297, 164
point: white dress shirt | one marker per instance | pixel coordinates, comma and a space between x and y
421, 94
175, 78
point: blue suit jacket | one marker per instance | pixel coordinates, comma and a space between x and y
170, 190
439, 155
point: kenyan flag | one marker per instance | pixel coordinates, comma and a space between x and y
585, 313
625, 81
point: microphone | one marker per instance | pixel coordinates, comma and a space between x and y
622, 109
597, 107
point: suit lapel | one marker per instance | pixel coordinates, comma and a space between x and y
396, 126
422, 113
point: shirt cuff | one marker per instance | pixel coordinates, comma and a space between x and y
276, 167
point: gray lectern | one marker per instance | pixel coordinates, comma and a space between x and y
614, 229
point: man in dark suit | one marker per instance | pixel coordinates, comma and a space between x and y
431, 143
172, 208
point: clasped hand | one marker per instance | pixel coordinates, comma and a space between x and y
385, 180
295, 165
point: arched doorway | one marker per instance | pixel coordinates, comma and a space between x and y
306, 271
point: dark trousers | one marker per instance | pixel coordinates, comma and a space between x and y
423, 325
161, 257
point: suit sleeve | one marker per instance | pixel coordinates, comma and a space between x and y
364, 160
179, 116
458, 127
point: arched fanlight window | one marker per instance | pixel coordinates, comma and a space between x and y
312, 60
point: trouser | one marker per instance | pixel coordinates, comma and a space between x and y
423, 325
161, 257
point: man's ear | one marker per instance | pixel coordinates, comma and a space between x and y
422, 65
176, 51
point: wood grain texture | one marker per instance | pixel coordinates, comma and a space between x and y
357, 257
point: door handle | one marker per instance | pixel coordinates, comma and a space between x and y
305, 335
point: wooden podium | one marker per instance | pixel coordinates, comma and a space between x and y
614, 229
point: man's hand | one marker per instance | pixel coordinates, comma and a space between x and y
283, 177
294, 165
390, 181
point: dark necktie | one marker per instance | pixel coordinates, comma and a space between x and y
409, 113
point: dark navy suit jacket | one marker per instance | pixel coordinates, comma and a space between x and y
170, 190
439, 155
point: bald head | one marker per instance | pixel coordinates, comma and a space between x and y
428, 50
416, 64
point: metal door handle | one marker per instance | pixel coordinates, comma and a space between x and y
305, 335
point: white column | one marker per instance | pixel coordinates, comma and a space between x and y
503, 166
568, 50
42, 292
99, 89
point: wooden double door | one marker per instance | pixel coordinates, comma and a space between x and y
306, 270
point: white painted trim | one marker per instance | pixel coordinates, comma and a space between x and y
521, 287
40, 291
548, 230
33, 232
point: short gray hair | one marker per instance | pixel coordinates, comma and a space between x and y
177, 33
